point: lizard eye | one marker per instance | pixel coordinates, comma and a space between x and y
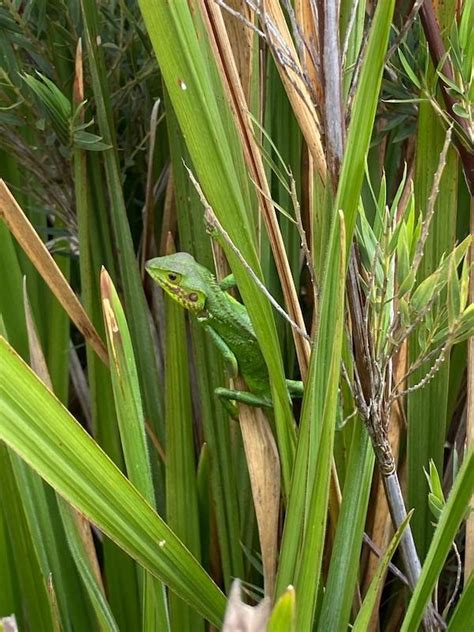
172, 276
193, 297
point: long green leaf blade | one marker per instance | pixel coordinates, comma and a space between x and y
453, 513
65, 456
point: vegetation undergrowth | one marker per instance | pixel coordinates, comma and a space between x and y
324, 158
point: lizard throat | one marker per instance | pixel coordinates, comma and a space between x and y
180, 296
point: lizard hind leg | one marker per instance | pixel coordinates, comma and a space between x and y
228, 397
295, 388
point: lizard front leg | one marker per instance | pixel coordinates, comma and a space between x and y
227, 353
228, 395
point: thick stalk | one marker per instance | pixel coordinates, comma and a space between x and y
411, 562
370, 404
398, 513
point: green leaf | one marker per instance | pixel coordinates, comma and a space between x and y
408, 69
364, 616
283, 615
320, 400
454, 295
424, 293
451, 517
407, 284
343, 571
308, 498
202, 112
465, 327
134, 298
181, 490
362, 117
55, 105
74, 531
461, 111
405, 275
66, 456
28, 566
209, 375
434, 482
436, 505
88, 141
128, 404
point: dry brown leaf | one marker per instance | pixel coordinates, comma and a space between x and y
242, 40
290, 70
264, 469
304, 16
29, 240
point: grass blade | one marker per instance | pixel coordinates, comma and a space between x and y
362, 622
74, 465
132, 433
137, 310
342, 577
453, 514
181, 488
320, 403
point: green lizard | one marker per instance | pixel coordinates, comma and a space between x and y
226, 320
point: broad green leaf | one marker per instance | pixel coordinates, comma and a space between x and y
427, 407
424, 293
223, 477
66, 456
320, 402
343, 571
28, 568
95, 238
128, 405
134, 298
181, 485
326, 355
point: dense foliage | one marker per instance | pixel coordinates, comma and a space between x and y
326, 159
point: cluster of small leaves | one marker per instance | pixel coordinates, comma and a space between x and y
58, 110
435, 309
410, 80
400, 91
461, 55
436, 498
41, 126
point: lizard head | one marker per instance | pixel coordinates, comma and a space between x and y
180, 276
